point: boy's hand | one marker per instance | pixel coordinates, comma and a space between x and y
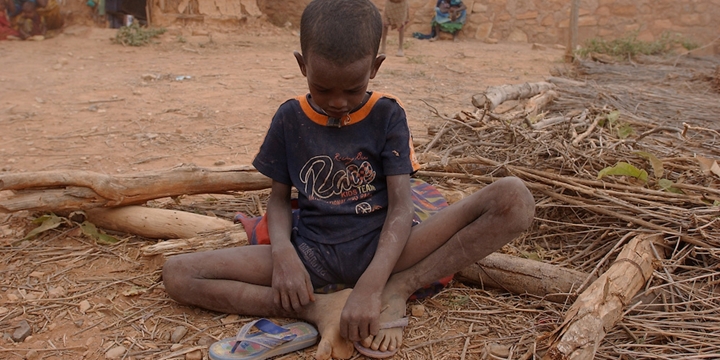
360, 316
291, 281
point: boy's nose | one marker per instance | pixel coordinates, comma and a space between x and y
338, 103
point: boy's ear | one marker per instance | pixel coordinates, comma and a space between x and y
301, 62
376, 65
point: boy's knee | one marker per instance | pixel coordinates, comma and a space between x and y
516, 202
172, 275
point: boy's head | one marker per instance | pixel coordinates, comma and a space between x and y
339, 41
28, 8
341, 31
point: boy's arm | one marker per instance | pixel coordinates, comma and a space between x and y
362, 309
290, 280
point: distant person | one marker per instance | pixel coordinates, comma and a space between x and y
49, 10
6, 30
348, 153
395, 16
29, 23
450, 17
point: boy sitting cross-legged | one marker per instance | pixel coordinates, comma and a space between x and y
349, 154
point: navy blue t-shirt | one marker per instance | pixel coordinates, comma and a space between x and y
338, 168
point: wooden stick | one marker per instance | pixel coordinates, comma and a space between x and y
496, 95
524, 276
155, 223
234, 236
66, 190
600, 307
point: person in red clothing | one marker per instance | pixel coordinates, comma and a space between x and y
6, 30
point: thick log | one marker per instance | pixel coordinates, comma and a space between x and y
155, 223
78, 190
524, 276
601, 305
496, 95
234, 236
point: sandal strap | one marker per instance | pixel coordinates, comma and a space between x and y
272, 336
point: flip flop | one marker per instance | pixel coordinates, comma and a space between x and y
377, 354
271, 340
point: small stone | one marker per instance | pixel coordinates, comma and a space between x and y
115, 353
174, 347
3, 310
205, 341
84, 306
417, 310
536, 46
79, 323
56, 291
32, 354
37, 274
178, 334
502, 351
195, 355
220, 163
22, 332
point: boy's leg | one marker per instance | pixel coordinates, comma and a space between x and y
238, 281
401, 36
450, 240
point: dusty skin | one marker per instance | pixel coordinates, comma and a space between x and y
78, 101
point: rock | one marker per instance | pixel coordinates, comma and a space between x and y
32, 354
84, 306
178, 334
491, 41
56, 292
536, 46
517, 35
3, 310
230, 319
22, 332
502, 351
115, 353
195, 355
37, 274
417, 310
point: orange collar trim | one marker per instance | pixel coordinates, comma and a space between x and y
354, 117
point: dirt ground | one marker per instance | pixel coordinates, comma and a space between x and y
80, 102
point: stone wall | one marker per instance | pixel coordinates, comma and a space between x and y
540, 21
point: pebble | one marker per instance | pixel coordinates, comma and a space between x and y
178, 334
417, 310
32, 354
195, 355
84, 306
498, 350
22, 332
115, 353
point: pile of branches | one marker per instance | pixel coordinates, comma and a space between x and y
610, 151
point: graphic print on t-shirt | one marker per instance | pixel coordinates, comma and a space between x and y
339, 180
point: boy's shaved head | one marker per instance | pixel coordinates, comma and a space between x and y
342, 31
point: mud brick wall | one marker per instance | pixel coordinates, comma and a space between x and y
534, 21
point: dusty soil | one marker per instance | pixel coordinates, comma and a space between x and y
79, 101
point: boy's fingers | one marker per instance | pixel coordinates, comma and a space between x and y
363, 331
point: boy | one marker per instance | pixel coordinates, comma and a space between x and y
395, 16
348, 153
29, 23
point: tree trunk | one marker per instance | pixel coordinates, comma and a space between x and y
600, 306
519, 276
76, 190
155, 223
496, 95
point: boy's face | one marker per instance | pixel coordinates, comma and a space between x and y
337, 90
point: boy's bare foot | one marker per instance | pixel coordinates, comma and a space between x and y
400, 53
326, 316
393, 309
